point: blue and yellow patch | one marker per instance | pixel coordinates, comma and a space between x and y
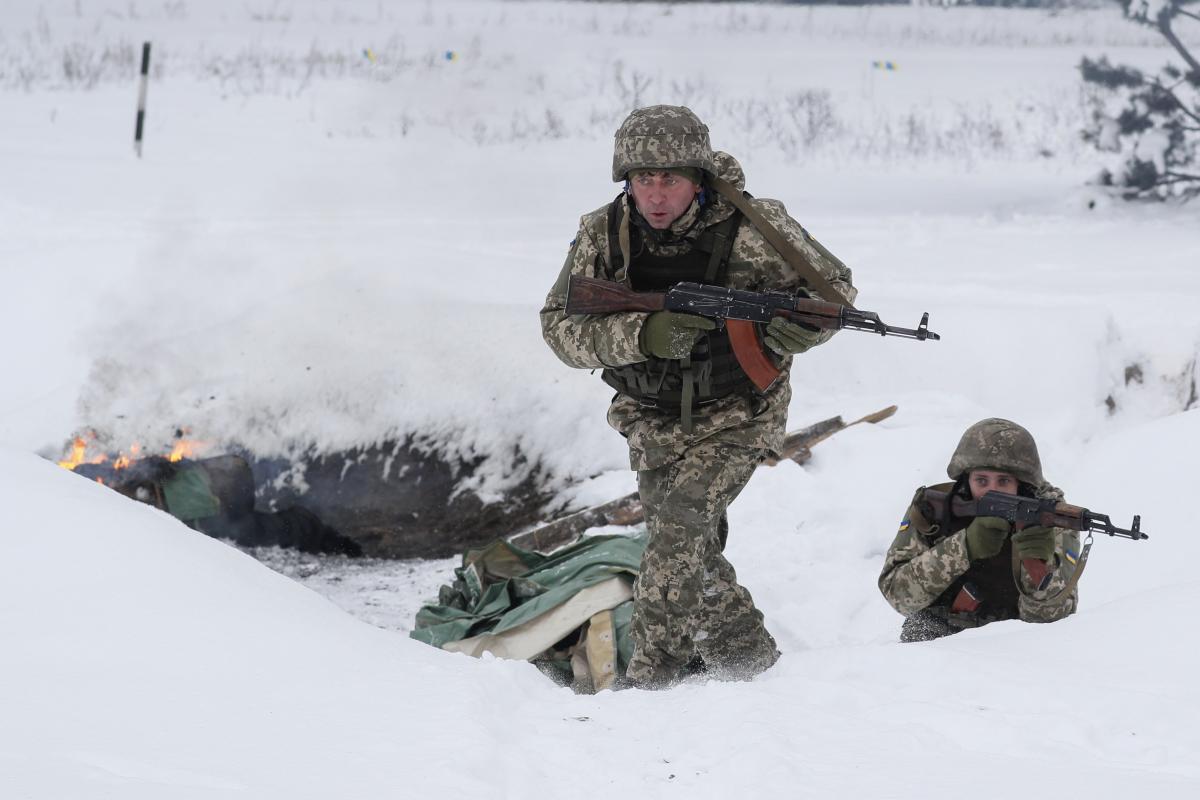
904, 523
1071, 557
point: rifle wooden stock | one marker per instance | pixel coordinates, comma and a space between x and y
593, 296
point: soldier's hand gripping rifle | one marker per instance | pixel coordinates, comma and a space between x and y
738, 310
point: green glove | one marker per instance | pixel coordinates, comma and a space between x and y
668, 334
1035, 542
985, 537
789, 338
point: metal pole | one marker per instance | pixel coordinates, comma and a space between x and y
141, 110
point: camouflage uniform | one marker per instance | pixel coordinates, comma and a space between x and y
687, 599
928, 563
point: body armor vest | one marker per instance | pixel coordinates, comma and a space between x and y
992, 578
994, 584
711, 369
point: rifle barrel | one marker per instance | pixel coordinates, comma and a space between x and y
1100, 523
871, 323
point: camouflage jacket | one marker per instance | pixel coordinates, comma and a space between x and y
656, 437
924, 562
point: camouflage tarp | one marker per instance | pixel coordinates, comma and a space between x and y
503, 589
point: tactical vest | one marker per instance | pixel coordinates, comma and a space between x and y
993, 583
992, 578
711, 371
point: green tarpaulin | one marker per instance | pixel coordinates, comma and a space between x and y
503, 586
189, 494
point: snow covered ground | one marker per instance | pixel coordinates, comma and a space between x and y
324, 248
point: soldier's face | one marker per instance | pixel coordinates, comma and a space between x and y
661, 197
983, 481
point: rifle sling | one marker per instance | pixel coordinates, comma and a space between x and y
687, 391
790, 252
1073, 581
1083, 557
623, 239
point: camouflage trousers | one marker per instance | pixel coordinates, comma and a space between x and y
687, 601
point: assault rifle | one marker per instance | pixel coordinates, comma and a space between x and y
1022, 511
737, 310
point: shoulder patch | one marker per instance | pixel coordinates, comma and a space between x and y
904, 523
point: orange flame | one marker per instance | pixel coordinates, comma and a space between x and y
185, 448
123, 460
78, 449
79, 455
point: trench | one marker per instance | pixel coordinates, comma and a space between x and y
389, 500
396, 501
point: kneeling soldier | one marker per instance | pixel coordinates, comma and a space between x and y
946, 573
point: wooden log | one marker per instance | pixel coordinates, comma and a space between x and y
627, 510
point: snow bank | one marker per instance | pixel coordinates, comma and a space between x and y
146, 660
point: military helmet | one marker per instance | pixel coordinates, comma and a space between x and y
657, 137
997, 444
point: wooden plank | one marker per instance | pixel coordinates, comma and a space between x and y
627, 510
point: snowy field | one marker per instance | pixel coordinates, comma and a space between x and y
345, 220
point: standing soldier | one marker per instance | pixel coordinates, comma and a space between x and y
695, 424
945, 573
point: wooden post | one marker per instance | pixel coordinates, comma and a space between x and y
141, 109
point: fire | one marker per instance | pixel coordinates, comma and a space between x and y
183, 448
78, 448
123, 460
79, 455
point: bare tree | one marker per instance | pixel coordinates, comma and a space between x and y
1150, 123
